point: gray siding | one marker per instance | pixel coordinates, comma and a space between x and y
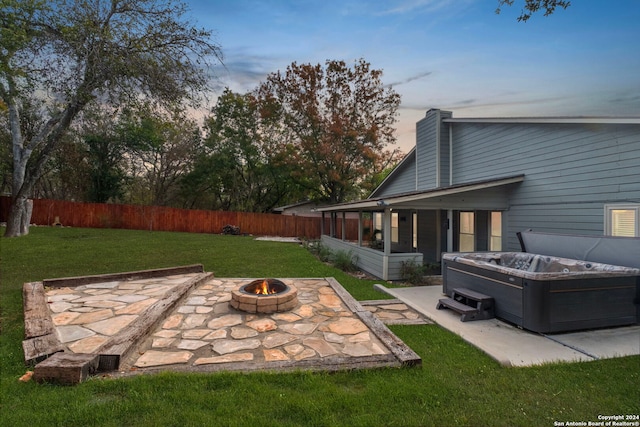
426, 133
571, 171
371, 260
445, 130
402, 181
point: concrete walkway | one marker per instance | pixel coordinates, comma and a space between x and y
512, 346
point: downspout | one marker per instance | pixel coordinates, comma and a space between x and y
344, 226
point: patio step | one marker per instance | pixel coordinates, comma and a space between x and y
470, 304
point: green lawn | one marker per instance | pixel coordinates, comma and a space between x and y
457, 384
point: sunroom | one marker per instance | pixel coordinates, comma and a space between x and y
418, 226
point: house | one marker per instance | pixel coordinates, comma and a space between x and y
305, 208
471, 184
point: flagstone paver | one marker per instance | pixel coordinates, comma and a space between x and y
112, 325
271, 355
231, 346
88, 345
159, 358
72, 333
229, 358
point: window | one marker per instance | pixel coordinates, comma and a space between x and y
415, 230
377, 225
467, 232
394, 227
622, 220
495, 231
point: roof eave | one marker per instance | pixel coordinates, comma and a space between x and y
390, 201
548, 120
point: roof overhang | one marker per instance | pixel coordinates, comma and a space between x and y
407, 199
549, 120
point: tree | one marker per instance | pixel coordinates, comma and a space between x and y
161, 148
533, 6
239, 169
63, 55
67, 173
106, 175
337, 123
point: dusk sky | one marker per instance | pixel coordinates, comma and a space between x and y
457, 55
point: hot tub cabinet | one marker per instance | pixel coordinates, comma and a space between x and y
548, 294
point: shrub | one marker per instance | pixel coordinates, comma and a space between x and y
413, 272
319, 250
345, 261
231, 229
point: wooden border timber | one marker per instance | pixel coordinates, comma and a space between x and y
66, 368
131, 275
41, 340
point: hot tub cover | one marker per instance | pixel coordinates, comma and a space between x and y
624, 251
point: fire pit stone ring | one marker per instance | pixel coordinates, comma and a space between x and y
264, 296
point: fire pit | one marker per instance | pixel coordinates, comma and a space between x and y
264, 296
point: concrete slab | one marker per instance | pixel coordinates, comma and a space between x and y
604, 343
279, 239
512, 346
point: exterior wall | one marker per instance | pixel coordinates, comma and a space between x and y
426, 150
403, 179
444, 143
371, 260
432, 150
431, 156
571, 171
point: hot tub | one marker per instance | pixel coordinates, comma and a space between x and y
548, 294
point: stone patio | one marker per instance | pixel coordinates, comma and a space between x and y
184, 322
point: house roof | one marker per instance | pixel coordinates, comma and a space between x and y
548, 120
406, 199
293, 205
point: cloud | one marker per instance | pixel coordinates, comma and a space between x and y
626, 99
412, 6
244, 72
410, 79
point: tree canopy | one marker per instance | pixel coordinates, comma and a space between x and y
58, 56
534, 6
239, 168
336, 123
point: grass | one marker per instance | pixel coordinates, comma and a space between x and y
457, 384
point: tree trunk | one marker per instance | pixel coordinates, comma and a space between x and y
19, 217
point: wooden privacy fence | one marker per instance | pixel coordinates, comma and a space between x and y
157, 218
